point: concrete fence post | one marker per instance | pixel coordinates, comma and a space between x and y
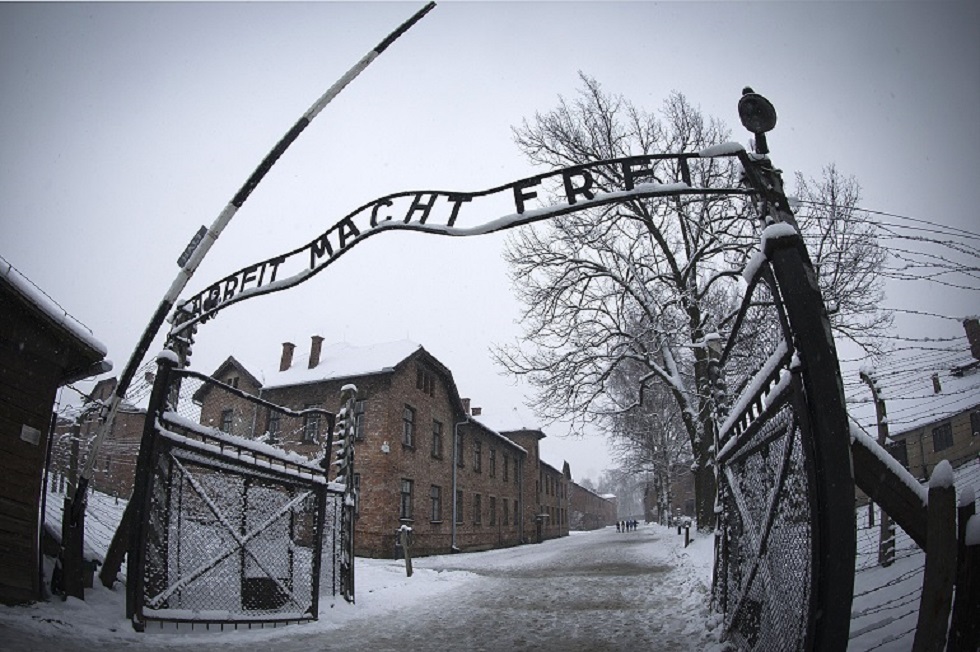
940, 567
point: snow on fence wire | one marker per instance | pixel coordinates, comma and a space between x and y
886, 603
886, 598
233, 530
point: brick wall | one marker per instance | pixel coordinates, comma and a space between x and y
588, 510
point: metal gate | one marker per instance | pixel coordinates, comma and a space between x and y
784, 567
228, 530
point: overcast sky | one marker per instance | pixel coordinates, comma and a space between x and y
125, 127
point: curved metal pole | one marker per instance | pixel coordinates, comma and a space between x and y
207, 239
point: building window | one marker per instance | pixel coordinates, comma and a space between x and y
942, 437
359, 419
108, 463
405, 511
311, 426
408, 427
899, 452
459, 450
226, 416
477, 509
233, 381
425, 381
506, 467
975, 423
478, 456
435, 493
436, 439
493, 462
493, 510
515, 511
357, 495
506, 513
273, 428
459, 506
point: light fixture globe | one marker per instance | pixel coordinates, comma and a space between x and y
757, 114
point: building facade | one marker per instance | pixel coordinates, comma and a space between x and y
422, 457
932, 414
588, 510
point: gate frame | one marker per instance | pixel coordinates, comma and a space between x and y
162, 392
834, 538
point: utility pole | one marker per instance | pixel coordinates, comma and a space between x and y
886, 532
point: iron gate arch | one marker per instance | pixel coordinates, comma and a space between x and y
790, 407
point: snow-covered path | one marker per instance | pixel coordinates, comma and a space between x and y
600, 590
597, 591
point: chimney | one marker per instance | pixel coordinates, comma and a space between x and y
287, 356
477, 411
466, 406
315, 346
936, 387
972, 327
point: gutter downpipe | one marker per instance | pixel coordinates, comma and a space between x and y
455, 463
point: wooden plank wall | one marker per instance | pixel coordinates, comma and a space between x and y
32, 359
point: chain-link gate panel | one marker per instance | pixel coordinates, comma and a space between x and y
233, 530
770, 512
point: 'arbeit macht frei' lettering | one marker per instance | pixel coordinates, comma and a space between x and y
434, 211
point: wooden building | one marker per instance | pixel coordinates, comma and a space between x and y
41, 349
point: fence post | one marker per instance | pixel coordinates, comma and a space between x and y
140, 497
940, 567
72, 538
964, 630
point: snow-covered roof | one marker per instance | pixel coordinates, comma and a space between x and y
912, 402
497, 434
342, 360
49, 307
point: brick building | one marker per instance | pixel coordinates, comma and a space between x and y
422, 458
115, 464
933, 414
588, 510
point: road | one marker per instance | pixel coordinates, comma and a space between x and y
592, 592
598, 591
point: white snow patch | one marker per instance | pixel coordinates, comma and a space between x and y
967, 495
942, 475
721, 149
777, 232
973, 531
167, 354
751, 269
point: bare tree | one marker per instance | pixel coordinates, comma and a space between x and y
636, 289
648, 440
847, 256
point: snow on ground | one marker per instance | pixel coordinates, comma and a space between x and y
590, 591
